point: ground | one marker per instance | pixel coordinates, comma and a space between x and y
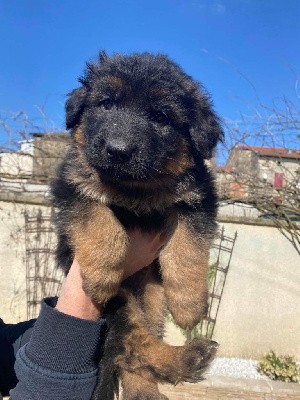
221, 388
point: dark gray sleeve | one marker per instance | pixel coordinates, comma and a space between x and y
61, 359
12, 338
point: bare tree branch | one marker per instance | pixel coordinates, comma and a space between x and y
251, 170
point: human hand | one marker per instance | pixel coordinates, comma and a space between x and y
143, 249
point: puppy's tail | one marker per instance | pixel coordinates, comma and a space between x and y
108, 379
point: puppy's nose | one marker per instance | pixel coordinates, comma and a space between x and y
118, 150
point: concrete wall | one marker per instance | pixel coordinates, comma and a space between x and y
13, 300
12, 265
260, 308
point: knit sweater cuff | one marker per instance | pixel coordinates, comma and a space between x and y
64, 343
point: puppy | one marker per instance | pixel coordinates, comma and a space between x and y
141, 130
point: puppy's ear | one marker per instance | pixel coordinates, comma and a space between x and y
74, 107
206, 131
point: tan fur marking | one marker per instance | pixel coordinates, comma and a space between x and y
181, 161
79, 136
135, 385
154, 304
153, 300
100, 244
115, 82
184, 265
158, 91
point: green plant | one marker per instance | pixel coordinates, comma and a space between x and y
281, 368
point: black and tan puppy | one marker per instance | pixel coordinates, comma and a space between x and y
141, 130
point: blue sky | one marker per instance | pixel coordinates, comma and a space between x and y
230, 46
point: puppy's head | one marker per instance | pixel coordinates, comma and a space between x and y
140, 117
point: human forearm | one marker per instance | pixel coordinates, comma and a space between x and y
73, 300
60, 361
60, 358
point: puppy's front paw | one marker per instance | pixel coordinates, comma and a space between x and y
187, 314
196, 357
100, 289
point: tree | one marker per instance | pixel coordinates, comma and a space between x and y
262, 168
29, 150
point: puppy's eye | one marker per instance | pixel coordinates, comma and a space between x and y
160, 117
107, 104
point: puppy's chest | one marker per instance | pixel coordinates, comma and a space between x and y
153, 220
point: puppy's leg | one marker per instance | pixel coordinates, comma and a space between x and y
99, 243
140, 359
124, 316
135, 387
146, 285
184, 267
146, 356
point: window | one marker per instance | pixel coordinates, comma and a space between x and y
278, 180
